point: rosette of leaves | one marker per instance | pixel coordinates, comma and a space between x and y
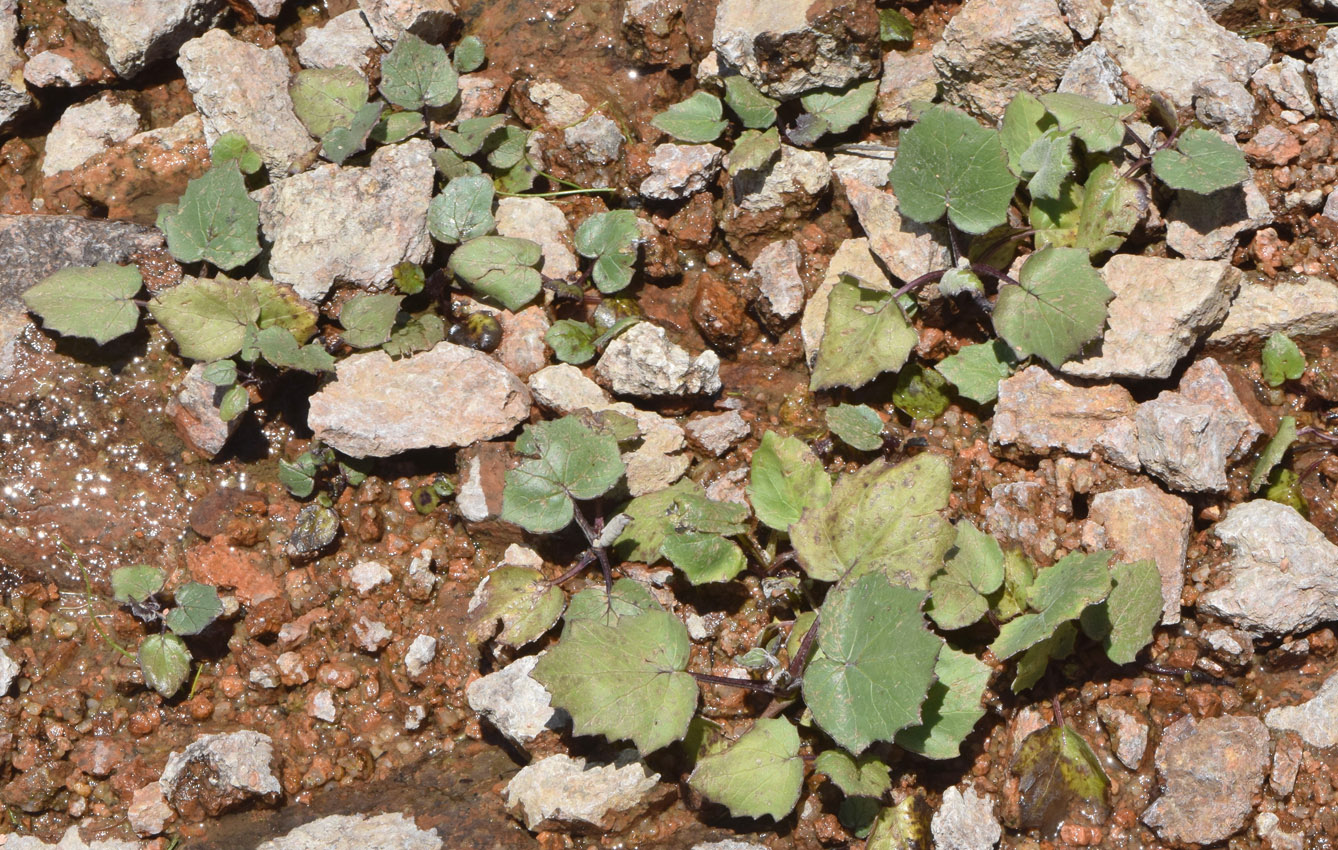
164, 658
567, 463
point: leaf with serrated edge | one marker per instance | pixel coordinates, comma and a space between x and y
976, 370
973, 569
851, 534
95, 302
696, 120
755, 110
866, 776
416, 74
1281, 360
1099, 126
953, 706
785, 479
1056, 769
624, 681
628, 598
1049, 160
841, 109
875, 662
759, 775
753, 151
1112, 206
1024, 121
525, 602
1201, 162
137, 583
215, 220
1273, 452
325, 98
682, 507
1124, 622
857, 425
865, 334
704, 558
1056, 220
197, 605
206, 318
1059, 307
368, 319
1059, 594
573, 462
282, 351
165, 663
500, 267
462, 211
610, 238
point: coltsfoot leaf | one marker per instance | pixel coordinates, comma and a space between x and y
571, 462
696, 120
865, 334
1200, 162
953, 706
96, 302
215, 220
1059, 307
526, 604
759, 775
786, 478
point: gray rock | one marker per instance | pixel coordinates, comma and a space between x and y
780, 288
1225, 105
1144, 522
597, 138
677, 171
481, 95
965, 821
907, 248
1084, 16
561, 790
1205, 227
1017, 516
542, 222
343, 40
1325, 70
908, 76
990, 52
1128, 732
1206, 382
50, 69
1281, 573
643, 362
717, 434
420, 654
868, 163
388, 831
796, 175
559, 107
1210, 771
350, 224
1315, 720
195, 410
1229, 645
9, 670
267, 8
852, 257
1331, 206
1169, 45
1284, 80
1287, 756
1266, 826
788, 47
1161, 309
239, 87
1038, 413
1092, 73
427, 19
14, 97
448, 396
71, 840
87, 129
140, 32
1304, 307
366, 576
236, 767
514, 702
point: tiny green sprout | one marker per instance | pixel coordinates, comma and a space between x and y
164, 658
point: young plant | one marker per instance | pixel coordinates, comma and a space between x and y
164, 657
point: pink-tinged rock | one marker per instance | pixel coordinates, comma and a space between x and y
148, 812
1038, 413
194, 409
1144, 522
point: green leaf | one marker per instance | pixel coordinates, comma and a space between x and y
299, 477
207, 318
850, 534
571, 462
1031, 665
234, 402
197, 605
137, 583
418, 334
1049, 160
628, 598
696, 120
920, 392
1059, 595
572, 341
866, 333
347, 139
1057, 769
451, 166
525, 602
1019, 575
233, 146
470, 135
1273, 452
841, 110
894, 26
95, 302
1124, 622
279, 348
325, 98
462, 211
867, 776
760, 775
1056, 220
974, 568
875, 662
755, 110
469, 54
753, 150
1099, 126
786, 479
215, 220
857, 425
624, 681
959, 280
1284, 487
415, 74
501, 268
220, 373
904, 826
281, 307
368, 319
1282, 360
506, 147
1112, 206
1059, 307
1025, 120
1200, 162
409, 278
397, 126
953, 706
704, 558
976, 370
680, 508
165, 662
610, 239
517, 179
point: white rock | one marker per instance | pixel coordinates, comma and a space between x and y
643, 362
148, 811
965, 821
388, 831
86, 130
717, 434
1128, 732
14, 97
1205, 227
795, 172
818, 44
1325, 70
371, 635
1015, 516
71, 840
908, 76
9, 669
560, 107
514, 702
1315, 720
907, 248
139, 32
780, 288
852, 257
1038, 413
868, 163
237, 764
677, 171
427, 19
267, 8
321, 706
1144, 522
1094, 74
729, 844
366, 576
343, 40
49, 68
1225, 105
1307, 307
1284, 80
420, 654
542, 222
569, 791
597, 138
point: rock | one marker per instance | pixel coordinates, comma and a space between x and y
908, 76
1144, 522
1281, 573
1224, 105
717, 434
1205, 227
14, 97
366, 576
1210, 771
542, 222
729, 844
137, 33
677, 171
965, 821
1169, 45
1128, 732
9, 670
544, 101
560, 791
852, 257
427, 19
239, 87
1037, 413
597, 139
85, 130
216, 773
1266, 827
564, 389
719, 311
1284, 80
321, 706
1273, 145
484, 467
148, 812
350, 224
523, 350
1231, 646
1287, 756
1206, 382
1160, 310
1083, 16
448, 396
795, 173
132, 179
71, 840
1021, 515
1315, 720
52, 68
789, 47
988, 53
388, 831
1325, 70
643, 362
371, 635
194, 409
868, 163
514, 703
907, 248
481, 95
343, 40
267, 8
420, 654
656, 33
1305, 307
222, 564
1092, 73
779, 286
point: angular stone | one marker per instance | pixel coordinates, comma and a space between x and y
542, 222
1144, 522
1205, 227
656, 33
1038, 413
350, 224
717, 434
780, 289
194, 409
14, 97
1325, 70
514, 702
343, 40
9, 670
908, 76
357, 832
564, 792
133, 178
988, 53
597, 138
420, 654
51, 68
448, 396
907, 248
483, 479
1021, 515
218, 772
1093, 74
795, 174
1160, 310
1084, 16
1315, 720
523, 350
1306, 307
1128, 731
87, 129
852, 257
642, 361
1206, 382
1285, 82
868, 163
564, 389
965, 821
366, 576
1281, 573
321, 706
239, 87
137, 33
1287, 755
677, 171
1224, 105
148, 811
71, 840
427, 19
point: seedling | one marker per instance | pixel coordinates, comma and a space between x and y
164, 658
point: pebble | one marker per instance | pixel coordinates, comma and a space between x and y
677, 171
825, 43
563, 791
420, 654
965, 821
1299, 308
1127, 730
1224, 105
796, 176
1285, 82
542, 222
343, 40
52, 69
907, 248
775, 270
643, 362
152, 32
514, 702
71, 840
1316, 719
1095, 75
1038, 413
597, 139
366, 576
371, 635
908, 76
1143, 522
428, 19
321, 706
14, 97
229, 769
9, 669
194, 409
719, 433
148, 812
1324, 68
85, 130
1205, 227
357, 832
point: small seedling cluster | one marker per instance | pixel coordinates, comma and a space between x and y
164, 658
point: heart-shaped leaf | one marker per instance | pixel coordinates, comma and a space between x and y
415, 74
500, 267
96, 302
949, 163
215, 220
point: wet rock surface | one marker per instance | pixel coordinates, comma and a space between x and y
966, 821
351, 832
513, 702
794, 46
1144, 522
643, 362
219, 772
569, 793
